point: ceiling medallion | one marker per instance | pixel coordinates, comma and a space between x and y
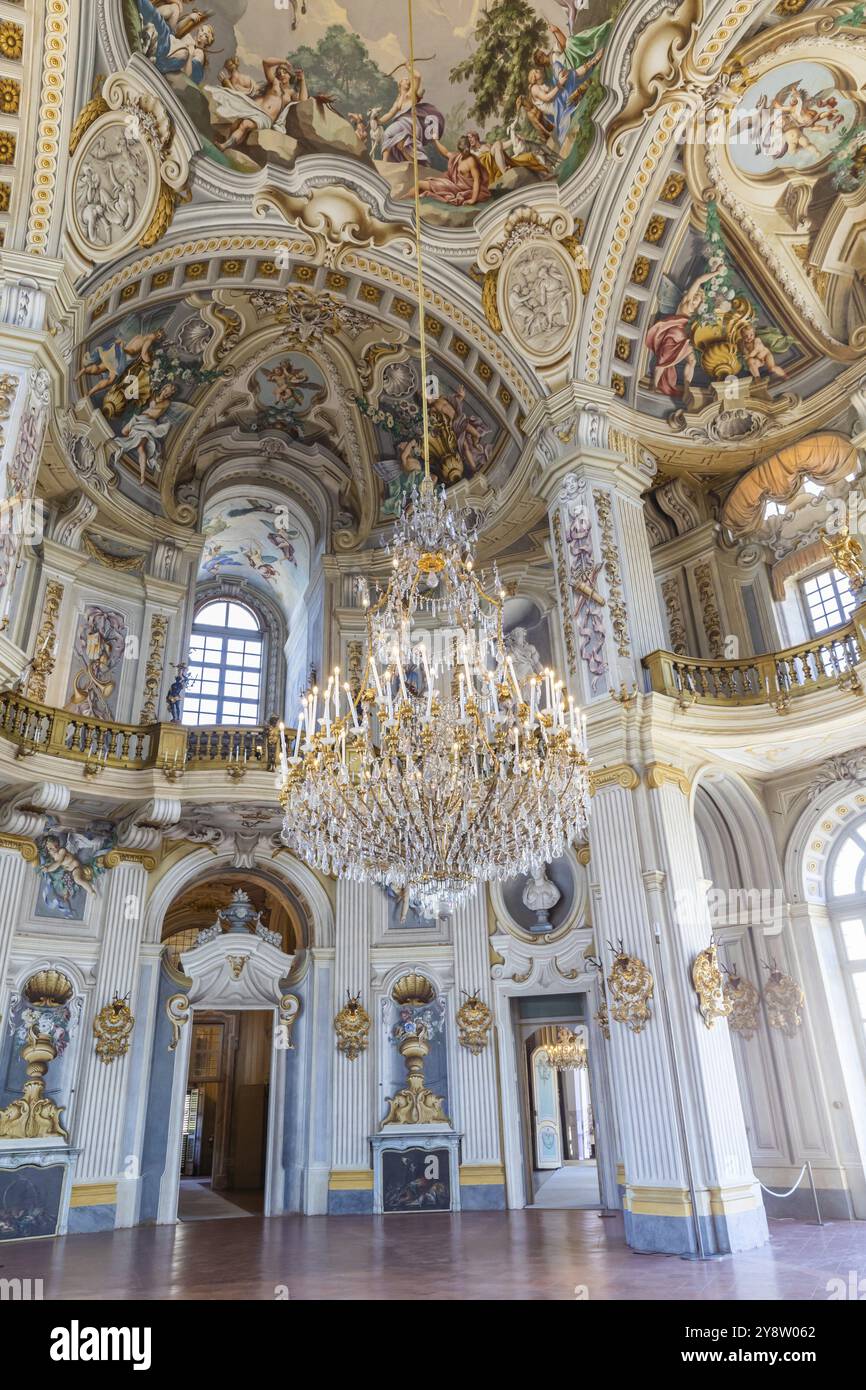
568, 1052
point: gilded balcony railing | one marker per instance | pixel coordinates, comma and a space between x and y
774, 677
96, 744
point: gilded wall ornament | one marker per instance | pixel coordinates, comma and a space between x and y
631, 988
709, 610
783, 1000
352, 1026
612, 572
112, 1028
745, 1004
473, 1023
709, 986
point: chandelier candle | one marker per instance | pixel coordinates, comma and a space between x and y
441, 772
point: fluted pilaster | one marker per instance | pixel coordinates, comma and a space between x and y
478, 1088
351, 1126
100, 1103
15, 876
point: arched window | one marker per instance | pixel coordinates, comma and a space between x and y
225, 662
846, 898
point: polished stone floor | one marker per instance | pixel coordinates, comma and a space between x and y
560, 1255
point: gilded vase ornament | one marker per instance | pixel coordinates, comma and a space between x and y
352, 1026
473, 1023
416, 1104
709, 985
745, 1004
43, 1029
783, 999
112, 1027
631, 988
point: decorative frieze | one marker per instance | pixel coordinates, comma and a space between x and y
674, 613
612, 572
153, 669
42, 662
709, 610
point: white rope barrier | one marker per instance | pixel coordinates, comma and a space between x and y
790, 1191
806, 1168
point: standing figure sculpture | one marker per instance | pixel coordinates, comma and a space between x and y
174, 698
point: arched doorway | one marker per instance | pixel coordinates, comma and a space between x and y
227, 1101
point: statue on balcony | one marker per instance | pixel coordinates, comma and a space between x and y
847, 553
176, 691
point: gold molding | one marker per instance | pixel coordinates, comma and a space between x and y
94, 1194
350, 1180
24, 845
618, 775
660, 774
120, 855
482, 1175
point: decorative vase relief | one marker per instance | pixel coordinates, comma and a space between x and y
744, 999
421, 1020
352, 1026
783, 999
473, 1023
709, 986
43, 1031
631, 988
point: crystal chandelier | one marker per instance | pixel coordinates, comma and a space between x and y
442, 770
568, 1052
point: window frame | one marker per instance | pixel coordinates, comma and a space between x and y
835, 577
845, 906
222, 668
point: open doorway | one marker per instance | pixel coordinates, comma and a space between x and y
223, 1154
559, 1124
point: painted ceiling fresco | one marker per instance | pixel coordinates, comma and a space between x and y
734, 325
505, 92
254, 539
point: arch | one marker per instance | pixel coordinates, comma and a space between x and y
733, 832
273, 626
838, 804
285, 872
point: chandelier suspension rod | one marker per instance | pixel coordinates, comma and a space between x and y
422, 336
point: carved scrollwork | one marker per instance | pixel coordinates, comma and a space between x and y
709, 986
473, 1023
352, 1026
631, 987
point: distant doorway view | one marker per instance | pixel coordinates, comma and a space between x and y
562, 1168
223, 1148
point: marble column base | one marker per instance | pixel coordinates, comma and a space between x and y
659, 1220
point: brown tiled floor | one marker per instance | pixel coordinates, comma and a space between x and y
479, 1255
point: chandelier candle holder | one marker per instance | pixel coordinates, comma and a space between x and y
442, 771
568, 1052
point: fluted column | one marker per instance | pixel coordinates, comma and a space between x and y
16, 875
684, 1142
350, 1186
482, 1176
101, 1098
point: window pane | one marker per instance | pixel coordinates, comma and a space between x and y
213, 614
829, 599
854, 936
241, 617
845, 870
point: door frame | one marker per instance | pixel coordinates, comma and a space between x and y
274, 1189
